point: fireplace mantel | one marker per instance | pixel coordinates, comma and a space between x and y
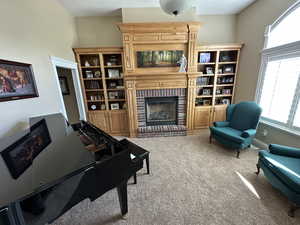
177, 36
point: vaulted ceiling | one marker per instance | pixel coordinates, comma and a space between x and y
112, 7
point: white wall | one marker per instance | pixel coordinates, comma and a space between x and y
215, 29
95, 31
102, 30
31, 31
251, 24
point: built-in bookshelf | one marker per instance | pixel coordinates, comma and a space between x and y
102, 78
215, 86
102, 83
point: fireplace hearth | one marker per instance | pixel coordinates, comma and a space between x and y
161, 111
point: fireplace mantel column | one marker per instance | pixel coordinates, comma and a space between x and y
192, 43
191, 96
131, 104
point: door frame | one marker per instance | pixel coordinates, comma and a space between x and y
59, 62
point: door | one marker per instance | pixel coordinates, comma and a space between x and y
118, 122
202, 117
68, 91
219, 113
100, 120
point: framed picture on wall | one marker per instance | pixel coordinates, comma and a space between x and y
64, 85
16, 81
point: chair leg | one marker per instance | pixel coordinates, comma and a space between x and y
292, 209
238, 153
258, 169
210, 138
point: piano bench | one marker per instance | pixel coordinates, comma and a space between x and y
137, 154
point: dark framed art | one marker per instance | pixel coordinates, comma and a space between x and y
64, 85
16, 81
20, 155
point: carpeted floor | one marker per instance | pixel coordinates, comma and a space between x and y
191, 182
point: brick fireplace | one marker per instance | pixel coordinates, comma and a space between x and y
160, 99
168, 118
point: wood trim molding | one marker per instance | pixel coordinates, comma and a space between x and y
166, 27
233, 46
131, 104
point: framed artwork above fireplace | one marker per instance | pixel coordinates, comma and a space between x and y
165, 58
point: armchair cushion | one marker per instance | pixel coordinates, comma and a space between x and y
221, 124
284, 150
228, 133
286, 169
249, 133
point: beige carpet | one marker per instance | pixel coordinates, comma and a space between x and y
192, 182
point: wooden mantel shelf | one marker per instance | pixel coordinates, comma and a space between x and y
163, 27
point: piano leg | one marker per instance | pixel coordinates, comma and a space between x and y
122, 192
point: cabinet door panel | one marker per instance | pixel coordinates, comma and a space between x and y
118, 122
202, 117
219, 113
99, 119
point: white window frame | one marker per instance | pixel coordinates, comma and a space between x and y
285, 51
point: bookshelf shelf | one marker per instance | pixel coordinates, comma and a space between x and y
223, 63
209, 63
95, 100
219, 96
226, 74
90, 67
92, 78
116, 100
113, 66
225, 85
114, 78
204, 96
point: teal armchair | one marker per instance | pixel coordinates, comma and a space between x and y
239, 129
281, 166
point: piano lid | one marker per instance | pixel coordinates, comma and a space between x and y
40, 156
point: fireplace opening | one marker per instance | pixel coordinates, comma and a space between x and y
161, 111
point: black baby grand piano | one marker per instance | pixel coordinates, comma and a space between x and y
53, 166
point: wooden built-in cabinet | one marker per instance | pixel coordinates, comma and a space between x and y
202, 117
111, 77
215, 85
101, 75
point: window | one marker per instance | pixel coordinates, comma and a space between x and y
278, 91
285, 30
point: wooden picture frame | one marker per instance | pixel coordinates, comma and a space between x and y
115, 106
16, 81
64, 86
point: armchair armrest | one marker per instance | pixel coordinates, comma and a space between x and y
284, 150
221, 124
248, 133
